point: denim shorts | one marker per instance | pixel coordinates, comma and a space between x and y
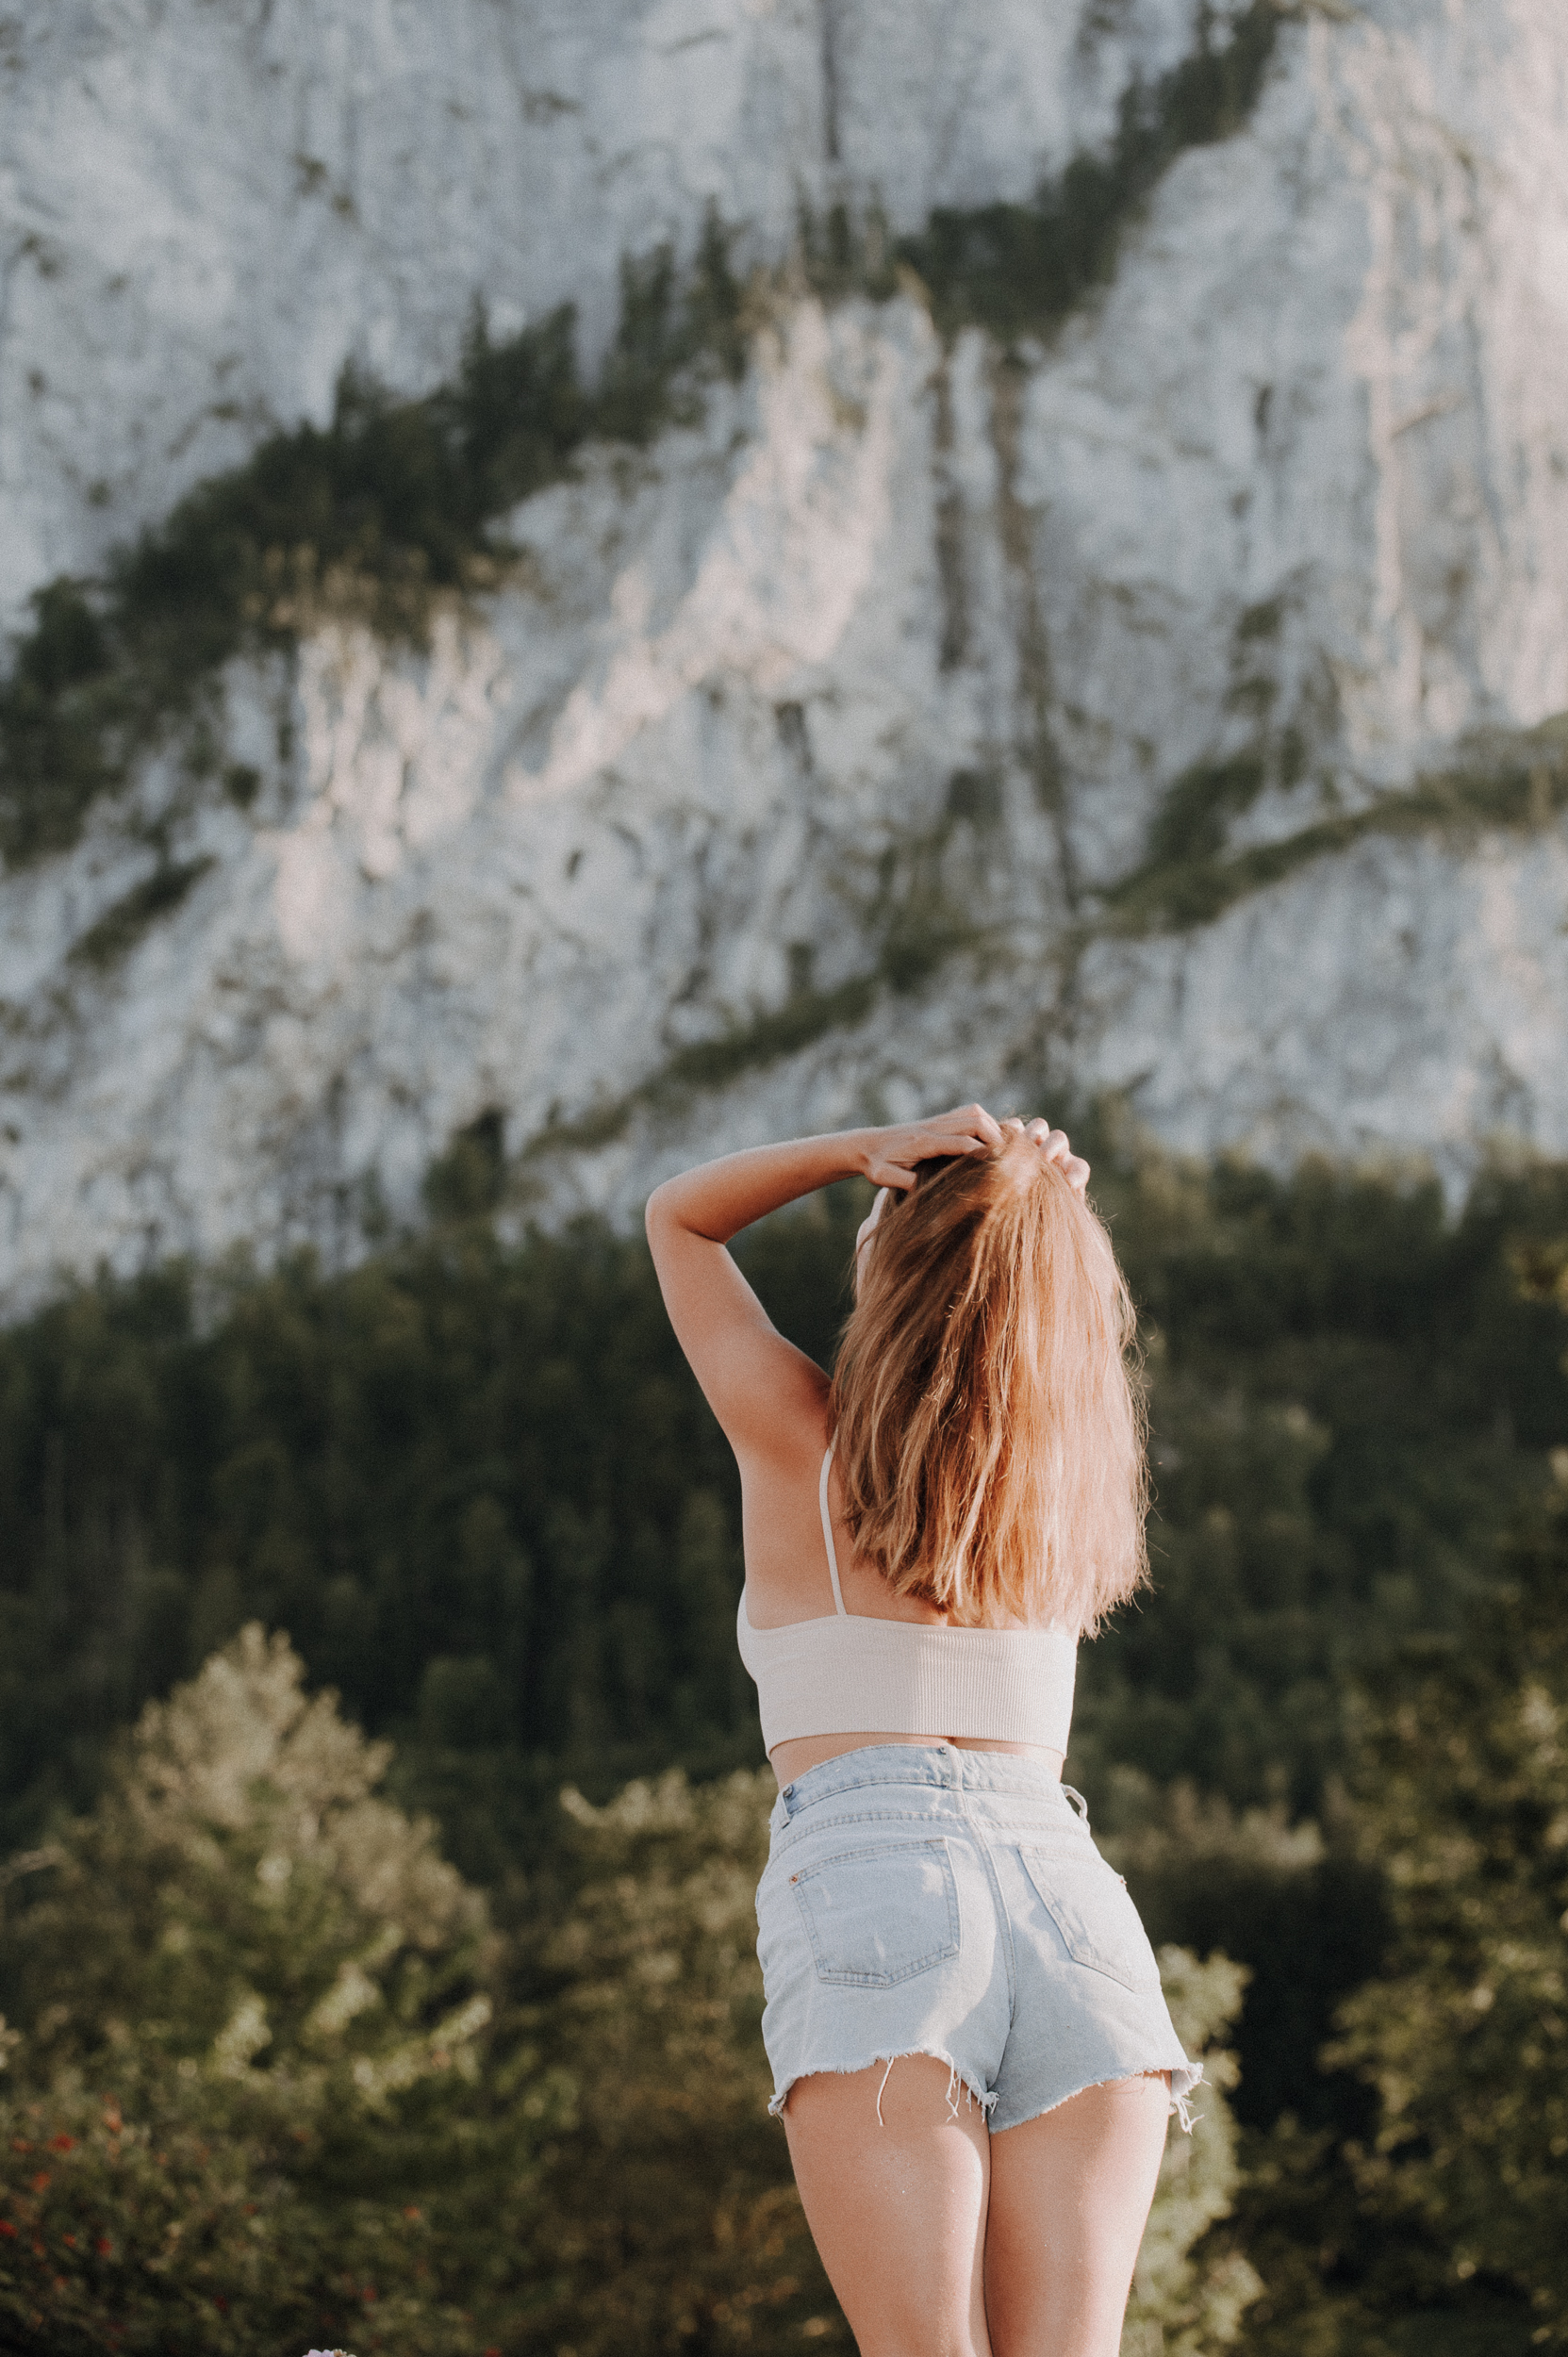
923, 1900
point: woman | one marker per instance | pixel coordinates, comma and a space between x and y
970, 2051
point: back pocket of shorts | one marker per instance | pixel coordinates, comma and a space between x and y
1099, 1925
880, 1915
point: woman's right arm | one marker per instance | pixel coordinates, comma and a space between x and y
758, 1385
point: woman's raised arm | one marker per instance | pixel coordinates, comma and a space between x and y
759, 1385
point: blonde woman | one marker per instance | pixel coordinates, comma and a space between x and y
971, 2050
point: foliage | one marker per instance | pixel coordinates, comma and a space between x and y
278, 2077
466, 1452
1190, 824
1189, 878
1019, 269
1466, 2033
476, 1482
1350, 1403
1187, 2301
262, 2090
1307, 1913
672, 2221
458, 1454
391, 500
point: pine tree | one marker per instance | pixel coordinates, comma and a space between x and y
262, 2090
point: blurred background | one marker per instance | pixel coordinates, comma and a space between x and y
587, 585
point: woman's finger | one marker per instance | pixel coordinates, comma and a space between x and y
955, 1134
975, 1122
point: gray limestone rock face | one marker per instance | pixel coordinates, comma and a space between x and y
806, 767
204, 211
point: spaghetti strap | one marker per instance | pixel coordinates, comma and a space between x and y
827, 1537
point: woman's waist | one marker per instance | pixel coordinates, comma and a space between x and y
797, 1755
928, 1782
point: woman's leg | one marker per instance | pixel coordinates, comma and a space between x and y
1071, 2194
897, 2209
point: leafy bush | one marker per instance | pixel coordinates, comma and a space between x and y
1464, 2035
262, 2090
278, 2077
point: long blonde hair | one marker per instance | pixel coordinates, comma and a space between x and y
987, 1411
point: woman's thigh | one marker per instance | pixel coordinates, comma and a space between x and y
897, 2208
1069, 2198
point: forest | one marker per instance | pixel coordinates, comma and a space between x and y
336, 1972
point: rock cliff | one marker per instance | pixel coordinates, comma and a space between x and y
1158, 701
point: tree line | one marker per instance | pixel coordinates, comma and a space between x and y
473, 1481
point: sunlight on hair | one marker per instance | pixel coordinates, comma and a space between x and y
987, 1409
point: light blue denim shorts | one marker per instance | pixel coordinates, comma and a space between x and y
923, 1900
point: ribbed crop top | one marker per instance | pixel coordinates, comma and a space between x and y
851, 1675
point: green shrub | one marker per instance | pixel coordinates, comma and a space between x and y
265, 2088
1187, 877
122, 925
391, 501
1019, 269
1464, 2036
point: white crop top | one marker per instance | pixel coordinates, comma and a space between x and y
853, 1675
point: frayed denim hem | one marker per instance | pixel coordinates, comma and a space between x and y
956, 2079
1185, 2080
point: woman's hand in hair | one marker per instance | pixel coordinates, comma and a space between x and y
1054, 1146
893, 1155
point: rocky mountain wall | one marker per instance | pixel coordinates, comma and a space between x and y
208, 205
1162, 706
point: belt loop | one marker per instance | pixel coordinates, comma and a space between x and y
1078, 1801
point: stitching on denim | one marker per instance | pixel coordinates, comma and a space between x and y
1010, 1960
798, 1833
991, 1829
794, 1803
1007, 1831
835, 1979
1089, 1957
